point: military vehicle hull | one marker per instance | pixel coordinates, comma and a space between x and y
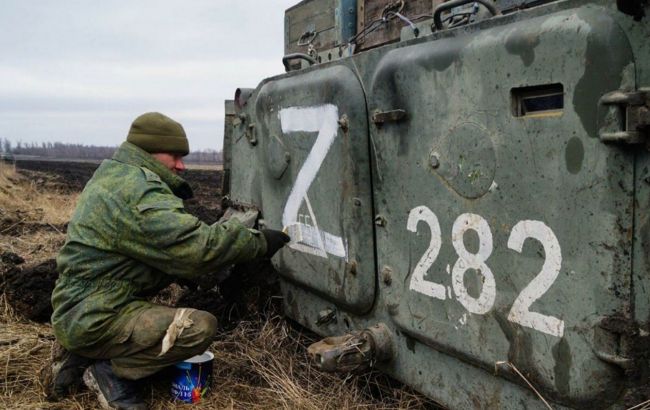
480, 192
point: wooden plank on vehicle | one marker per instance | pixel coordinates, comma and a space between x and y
310, 16
369, 15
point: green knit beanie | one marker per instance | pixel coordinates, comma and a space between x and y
155, 132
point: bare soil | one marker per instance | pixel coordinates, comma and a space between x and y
28, 290
62, 176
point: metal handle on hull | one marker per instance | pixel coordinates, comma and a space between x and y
293, 56
437, 21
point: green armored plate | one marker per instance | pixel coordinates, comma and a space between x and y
313, 166
500, 207
457, 188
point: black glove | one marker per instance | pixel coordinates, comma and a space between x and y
274, 241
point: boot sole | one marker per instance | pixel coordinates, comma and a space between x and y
47, 374
91, 383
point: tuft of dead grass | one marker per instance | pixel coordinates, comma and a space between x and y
34, 211
205, 167
24, 349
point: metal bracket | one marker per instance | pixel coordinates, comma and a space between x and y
250, 134
614, 340
307, 37
381, 117
627, 117
242, 121
285, 60
447, 6
326, 316
344, 122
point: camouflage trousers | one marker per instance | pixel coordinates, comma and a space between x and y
137, 352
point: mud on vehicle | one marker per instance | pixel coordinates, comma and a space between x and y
466, 184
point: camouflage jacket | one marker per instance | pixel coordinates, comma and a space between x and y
129, 236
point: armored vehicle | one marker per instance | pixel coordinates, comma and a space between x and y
466, 184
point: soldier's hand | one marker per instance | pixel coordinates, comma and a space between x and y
274, 241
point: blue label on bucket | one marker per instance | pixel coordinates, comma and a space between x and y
184, 365
192, 378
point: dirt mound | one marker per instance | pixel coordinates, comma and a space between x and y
248, 290
10, 259
206, 184
28, 290
208, 214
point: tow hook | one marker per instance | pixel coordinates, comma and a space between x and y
353, 352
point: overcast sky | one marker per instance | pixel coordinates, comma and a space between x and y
80, 71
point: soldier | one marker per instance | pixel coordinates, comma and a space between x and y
128, 238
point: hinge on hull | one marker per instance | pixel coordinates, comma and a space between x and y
620, 341
627, 119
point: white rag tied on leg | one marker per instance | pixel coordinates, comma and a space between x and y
181, 322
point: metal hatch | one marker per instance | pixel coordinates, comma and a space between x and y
506, 223
313, 136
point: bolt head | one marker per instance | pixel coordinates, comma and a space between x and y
387, 275
434, 162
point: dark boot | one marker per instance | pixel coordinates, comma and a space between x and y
113, 392
62, 375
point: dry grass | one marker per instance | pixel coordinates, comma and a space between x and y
205, 167
24, 348
33, 213
261, 364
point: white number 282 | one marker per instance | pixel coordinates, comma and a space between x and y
520, 312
